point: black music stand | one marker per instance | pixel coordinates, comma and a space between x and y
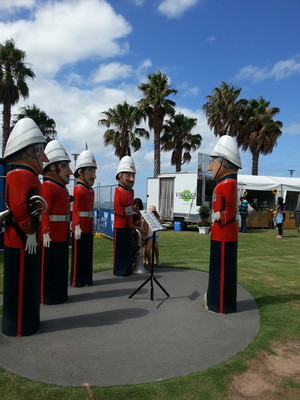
156, 226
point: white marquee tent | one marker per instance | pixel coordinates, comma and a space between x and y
257, 182
285, 186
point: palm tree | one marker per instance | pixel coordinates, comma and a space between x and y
259, 132
223, 110
124, 118
46, 124
156, 106
13, 74
177, 136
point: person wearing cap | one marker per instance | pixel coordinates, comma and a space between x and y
55, 226
222, 285
83, 220
123, 220
24, 154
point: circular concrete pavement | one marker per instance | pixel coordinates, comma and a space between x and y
103, 337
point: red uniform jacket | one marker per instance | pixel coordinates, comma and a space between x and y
21, 184
83, 208
123, 198
225, 200
56, 221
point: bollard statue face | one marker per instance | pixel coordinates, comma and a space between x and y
38, 156
87, 175
221, 167
216, 166
64, 171
126, 179
60, 172
33, 157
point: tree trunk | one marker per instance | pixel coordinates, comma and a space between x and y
255, 157
6, 114
156, 152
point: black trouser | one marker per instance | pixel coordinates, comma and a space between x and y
122, 252
222, 285
279, 227
21, 292
54, 273
82, 261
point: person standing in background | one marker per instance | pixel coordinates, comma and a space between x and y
243, 210
83, 220
279, 217
137, 205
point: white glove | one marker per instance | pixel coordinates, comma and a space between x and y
78, 232
46, 240
31, 243
129, 210
215, 216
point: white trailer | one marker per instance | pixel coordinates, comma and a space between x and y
177, 196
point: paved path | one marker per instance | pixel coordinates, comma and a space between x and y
103, 337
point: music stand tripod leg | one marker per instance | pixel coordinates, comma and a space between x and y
140, 287
151, 277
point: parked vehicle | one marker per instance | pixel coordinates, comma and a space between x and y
178, 196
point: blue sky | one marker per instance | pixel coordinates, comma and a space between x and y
89, 55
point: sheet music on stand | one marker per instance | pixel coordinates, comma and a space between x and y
152, 221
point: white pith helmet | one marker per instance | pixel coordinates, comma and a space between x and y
85, 159
226, 147
55, 152
25, 133
126, 165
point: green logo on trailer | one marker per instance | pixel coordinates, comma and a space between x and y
186, 195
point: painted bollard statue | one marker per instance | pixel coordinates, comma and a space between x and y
222, 285
83, 220
123, 220
55, 226
24, 154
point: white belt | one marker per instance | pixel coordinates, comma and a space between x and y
89, 214
59, 218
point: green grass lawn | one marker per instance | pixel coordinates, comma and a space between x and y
267, 267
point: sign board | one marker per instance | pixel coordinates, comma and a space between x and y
152, 221
107, 222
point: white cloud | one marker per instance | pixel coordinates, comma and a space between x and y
285, 68
211, 38
143, 67
193, 91
62, 33
10, 4
188, 91
138, 2
292, 129
281, 70
112, 71
175, 8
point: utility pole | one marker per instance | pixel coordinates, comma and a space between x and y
291, 171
